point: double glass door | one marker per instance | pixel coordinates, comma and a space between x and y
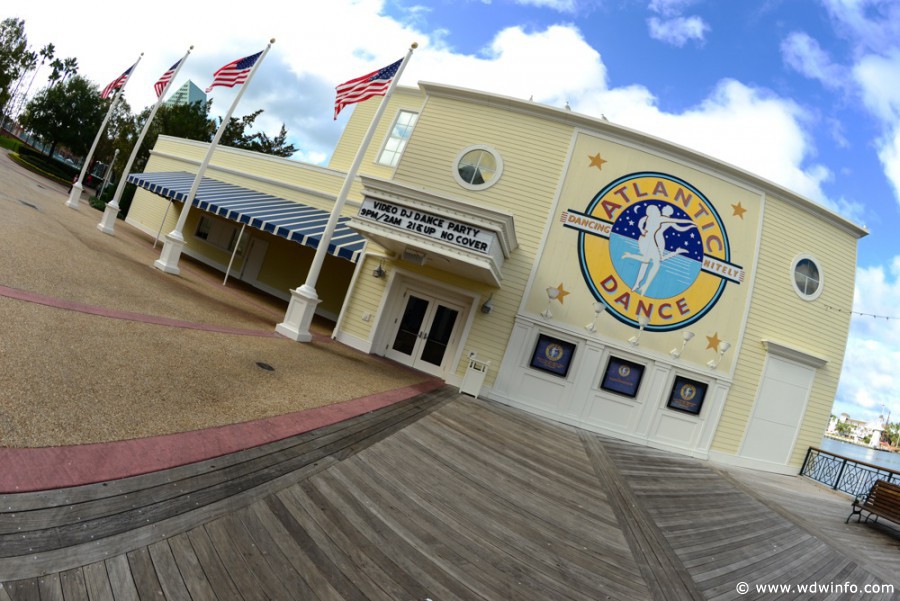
424, 337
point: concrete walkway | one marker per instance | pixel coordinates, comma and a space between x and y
110, 367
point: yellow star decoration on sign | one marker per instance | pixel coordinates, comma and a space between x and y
597, 161
738, 210
712, 342
562, 293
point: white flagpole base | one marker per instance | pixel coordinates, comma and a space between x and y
107, 223
171, 252
299, 314
74, 196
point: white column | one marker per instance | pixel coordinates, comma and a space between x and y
108, 221
304, 299
174, 242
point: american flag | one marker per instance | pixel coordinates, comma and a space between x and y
117, 83
160, 85
362, 88
234, 72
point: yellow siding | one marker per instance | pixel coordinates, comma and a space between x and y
147, 212
778, 314
409, 99
284, 178
527, 187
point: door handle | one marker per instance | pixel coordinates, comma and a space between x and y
423, 335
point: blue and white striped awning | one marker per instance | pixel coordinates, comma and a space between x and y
278, 216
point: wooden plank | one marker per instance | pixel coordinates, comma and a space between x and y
144, 575
120, 579
216, 574
269, 581
153, 532
663, 571
516, 548
50, 588
369, 514
72, 584
191, 571
280, 565
303, 565
327, 505
354, 564
285, 514
96, 580
235, 564
170, 580
23, 590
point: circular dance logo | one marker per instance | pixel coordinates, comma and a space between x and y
652, 247
554, 352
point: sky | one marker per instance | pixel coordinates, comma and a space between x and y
805, 93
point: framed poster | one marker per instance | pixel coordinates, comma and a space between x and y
622, 377
687, 395
552, 355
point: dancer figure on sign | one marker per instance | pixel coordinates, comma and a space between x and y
652, 243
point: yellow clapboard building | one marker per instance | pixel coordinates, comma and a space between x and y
558, 263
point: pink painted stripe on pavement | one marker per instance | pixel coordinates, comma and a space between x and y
26, 470
61, 303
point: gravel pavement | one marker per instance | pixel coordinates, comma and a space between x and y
72, 377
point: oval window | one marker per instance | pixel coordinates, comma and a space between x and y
808, 279
478, 167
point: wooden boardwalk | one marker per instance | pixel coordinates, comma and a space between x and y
439, 497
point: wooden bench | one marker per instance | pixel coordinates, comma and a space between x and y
882, 500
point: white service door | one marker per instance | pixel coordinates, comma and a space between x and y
778, 412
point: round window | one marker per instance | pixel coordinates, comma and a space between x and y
808, 278
478, 167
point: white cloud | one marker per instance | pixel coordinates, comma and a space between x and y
877, 77
563, 6
677, 31
747, 127
670, 8
870, 377
567, 65
804, 54
871, 25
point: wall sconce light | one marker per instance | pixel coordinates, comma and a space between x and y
643, 320
488, 306
379, 272
599, 309
685, 338
723, 348
552, 294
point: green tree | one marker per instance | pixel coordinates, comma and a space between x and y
62, 69
68, 114
14, 56
842, 428
236, 136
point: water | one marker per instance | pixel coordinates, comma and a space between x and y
883, 459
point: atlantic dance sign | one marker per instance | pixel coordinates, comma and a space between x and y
652, 246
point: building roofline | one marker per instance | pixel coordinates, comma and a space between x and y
580, 120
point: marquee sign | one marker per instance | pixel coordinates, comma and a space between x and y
428, 224
651, 245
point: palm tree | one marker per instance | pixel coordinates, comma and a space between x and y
46, 53
61, 70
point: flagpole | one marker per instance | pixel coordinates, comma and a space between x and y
174, 244
75, 193
304, 299
108, 221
